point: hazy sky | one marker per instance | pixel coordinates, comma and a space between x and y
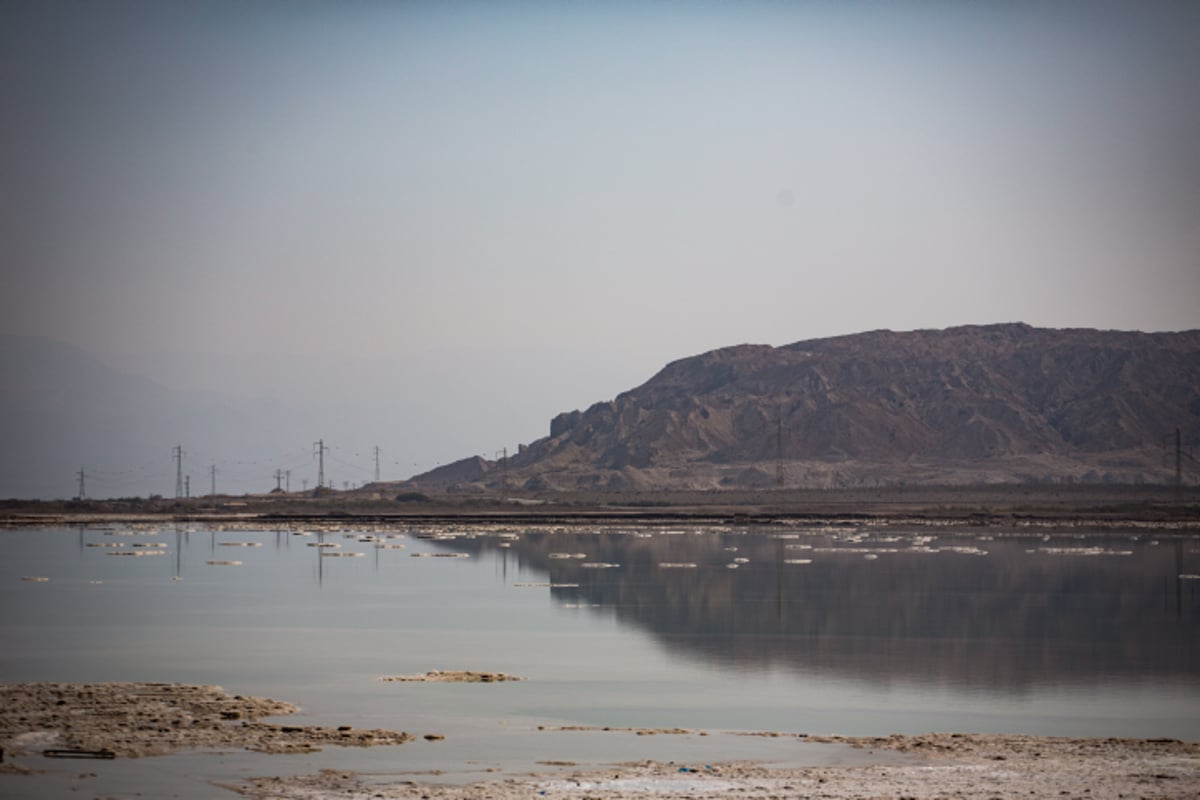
600, 186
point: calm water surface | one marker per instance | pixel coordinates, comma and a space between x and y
845, 629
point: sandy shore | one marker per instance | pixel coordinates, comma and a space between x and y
143, 719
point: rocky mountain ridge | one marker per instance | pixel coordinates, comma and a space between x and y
972, 404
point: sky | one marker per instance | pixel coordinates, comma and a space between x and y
538, 204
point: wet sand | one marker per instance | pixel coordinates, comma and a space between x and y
144, 719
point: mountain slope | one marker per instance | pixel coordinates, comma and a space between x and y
991, 403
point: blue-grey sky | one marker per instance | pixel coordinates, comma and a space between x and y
574, 193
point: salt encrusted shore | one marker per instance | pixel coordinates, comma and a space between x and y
967, 766
145, 719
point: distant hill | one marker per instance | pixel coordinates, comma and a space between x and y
62, 410
975, 404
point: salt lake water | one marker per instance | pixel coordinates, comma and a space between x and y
847, 629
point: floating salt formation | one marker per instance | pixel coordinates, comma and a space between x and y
1080, 551
440, 555
741, 561
34, 579
677, 565
566, 555
870, 556
225, 563
598, 565
966, 551
324, 544
732, 565
240, 544
342, 555
137, 553
383, 546
437, 676
797, 561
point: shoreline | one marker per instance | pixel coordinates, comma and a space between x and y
974, 506
133, 721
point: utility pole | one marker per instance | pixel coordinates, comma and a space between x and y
319, 449
377, 463
82, 493
187, 486
177, 452
212, 474
287, 481
278, 480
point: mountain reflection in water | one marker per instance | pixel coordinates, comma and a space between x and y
997, 611
846, 629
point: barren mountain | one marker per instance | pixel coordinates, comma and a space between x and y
974, 404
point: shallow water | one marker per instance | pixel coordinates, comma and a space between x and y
847, 630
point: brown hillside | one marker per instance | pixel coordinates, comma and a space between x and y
998, 403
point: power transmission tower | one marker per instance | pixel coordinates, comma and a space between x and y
177, 452
82, 493
319, 449
187, 486
377, 463
212, 473
287, 481
278, 480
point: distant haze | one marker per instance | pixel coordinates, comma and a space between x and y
433, 226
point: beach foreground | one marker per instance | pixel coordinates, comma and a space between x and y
144, 719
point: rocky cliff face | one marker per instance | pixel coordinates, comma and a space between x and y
971, 404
